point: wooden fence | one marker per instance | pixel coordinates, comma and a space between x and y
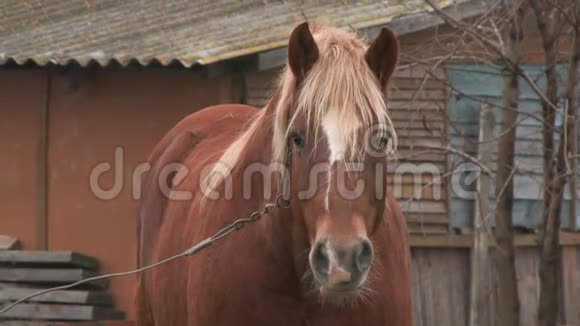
441, 276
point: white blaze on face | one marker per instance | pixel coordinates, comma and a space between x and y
334, 138
336, 146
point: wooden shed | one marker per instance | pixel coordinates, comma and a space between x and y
87, 88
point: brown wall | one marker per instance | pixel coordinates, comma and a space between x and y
22, 96
90, 115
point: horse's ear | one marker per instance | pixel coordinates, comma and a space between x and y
302, 51
383, 55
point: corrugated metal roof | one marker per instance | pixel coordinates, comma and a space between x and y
190, 32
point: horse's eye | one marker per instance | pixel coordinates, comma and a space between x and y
297, 138
380, 141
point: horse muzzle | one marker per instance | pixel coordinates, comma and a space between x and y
341, 268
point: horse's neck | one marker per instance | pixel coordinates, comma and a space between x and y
273, 232
250, 171
258, 155
272, 239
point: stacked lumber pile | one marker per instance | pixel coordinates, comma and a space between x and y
9, 243
24, 272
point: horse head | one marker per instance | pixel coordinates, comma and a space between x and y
333, 129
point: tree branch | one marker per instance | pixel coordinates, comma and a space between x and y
509, 62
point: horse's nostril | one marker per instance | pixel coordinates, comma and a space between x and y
320, 260
365, 256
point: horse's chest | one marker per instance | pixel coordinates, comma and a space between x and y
241, 291
253, 308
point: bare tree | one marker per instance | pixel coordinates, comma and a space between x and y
497, 34
501, 39
557, 165
504, 254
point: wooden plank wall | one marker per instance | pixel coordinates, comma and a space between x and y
418, 108
571, 285
441, 286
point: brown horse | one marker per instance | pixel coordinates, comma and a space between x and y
339, 255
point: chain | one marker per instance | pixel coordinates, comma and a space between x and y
237, 225
241, 223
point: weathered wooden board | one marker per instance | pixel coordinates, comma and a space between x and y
418, 155
4, 285
9, 243
418, 71
409, 179
415, 83
49, 323
526, 261
426, 217
47, 258
417, 106
418, 95
64, 296
435, 207
466, 241
418, 192
416, 115
25, 323
421, 143
418, 123
527, 264
416, 173
37, 311
427, 228
99, 323
49, 276
571, 286
441, 286
420, 133
440, 280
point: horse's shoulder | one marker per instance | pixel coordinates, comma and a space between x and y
191, 130
174, 148
216, 114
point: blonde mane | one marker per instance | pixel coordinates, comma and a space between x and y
339, 80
